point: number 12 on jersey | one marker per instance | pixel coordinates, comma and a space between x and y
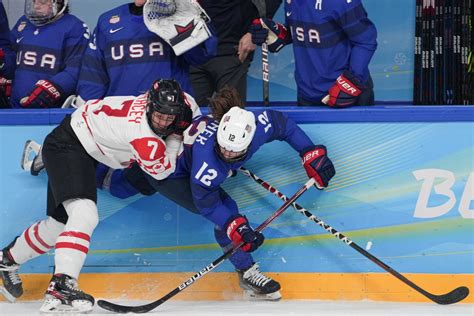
206, 175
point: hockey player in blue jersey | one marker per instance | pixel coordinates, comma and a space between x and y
220, 149
212, 152
333, 43
7, 58
124, 57
49, 43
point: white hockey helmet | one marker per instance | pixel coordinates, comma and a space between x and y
41, 12
235, 133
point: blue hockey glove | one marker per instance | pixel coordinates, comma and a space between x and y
275, 34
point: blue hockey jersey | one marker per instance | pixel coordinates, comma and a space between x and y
206, 171
8, 64
329, 36
124, 57
53, 51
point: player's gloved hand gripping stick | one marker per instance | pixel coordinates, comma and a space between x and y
454, 296
148, 307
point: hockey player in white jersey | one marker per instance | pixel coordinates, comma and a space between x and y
115, 131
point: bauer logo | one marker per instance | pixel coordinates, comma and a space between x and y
197, 276
437, 194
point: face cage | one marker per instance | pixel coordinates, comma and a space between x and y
161, 132
217, 148
38, 20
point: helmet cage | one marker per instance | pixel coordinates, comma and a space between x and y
57, 9
224, 154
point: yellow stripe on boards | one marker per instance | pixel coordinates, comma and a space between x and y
224, 286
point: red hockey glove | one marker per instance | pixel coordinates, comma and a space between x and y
345, 90
275, 34
2, 59
44, 95
5, 87
5, 92
239, 230
318, 166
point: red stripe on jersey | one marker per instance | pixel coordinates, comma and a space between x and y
76, 234
30, 243
41, 241
71, 245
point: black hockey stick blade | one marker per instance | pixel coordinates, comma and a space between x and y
148, 307
456, 295
122, 309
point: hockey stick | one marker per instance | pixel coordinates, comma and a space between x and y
265, 75
456, 295
148, 307
262, 12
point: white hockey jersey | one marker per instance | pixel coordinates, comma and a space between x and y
115, 132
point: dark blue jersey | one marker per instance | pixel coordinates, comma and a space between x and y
207, 171
124, 57
7, 65
53, 51
328, 38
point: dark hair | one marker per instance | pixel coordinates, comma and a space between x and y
223, 101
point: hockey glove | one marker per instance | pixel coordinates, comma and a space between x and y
239, 230
5, 88
275, 34
44, 95
184, 120
345, 90
2, 60
317, 165
5, 84
181, 23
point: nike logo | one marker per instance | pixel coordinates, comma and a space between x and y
18, 40
288, 13
112, 31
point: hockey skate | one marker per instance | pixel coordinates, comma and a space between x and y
258, 286
12, 286
32, 164
64, 296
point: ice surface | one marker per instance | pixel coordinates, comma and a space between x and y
284, 307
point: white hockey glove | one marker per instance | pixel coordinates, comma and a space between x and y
181, 23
